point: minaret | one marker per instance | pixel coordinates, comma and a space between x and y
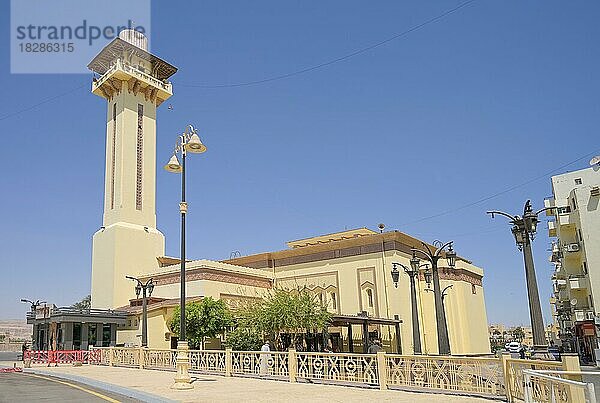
133, 82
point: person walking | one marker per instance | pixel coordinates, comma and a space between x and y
264, 358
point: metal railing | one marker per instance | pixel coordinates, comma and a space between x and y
516, 379
549, 386
61, 356
336, 368
515, 368
473, 375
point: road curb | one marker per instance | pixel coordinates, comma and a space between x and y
109, 387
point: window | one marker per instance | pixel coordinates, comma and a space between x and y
579, 233
585, 268
333, 300
76, 336
92, 334
370, 297
578, 181
473, 289
106, 335
113, 156
564, 210
140, 157
574, 203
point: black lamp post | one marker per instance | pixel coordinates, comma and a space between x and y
524, 229
412, 271
433, 255
146, 290
188, 141
34, 305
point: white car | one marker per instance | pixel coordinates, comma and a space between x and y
513, 347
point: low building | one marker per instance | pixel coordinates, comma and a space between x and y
349, 272
74, 329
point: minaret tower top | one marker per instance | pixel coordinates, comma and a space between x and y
126, 60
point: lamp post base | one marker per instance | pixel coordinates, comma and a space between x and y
183, 381
541, 353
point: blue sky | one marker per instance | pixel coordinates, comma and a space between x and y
487, 98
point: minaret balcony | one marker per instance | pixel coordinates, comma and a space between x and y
124, 76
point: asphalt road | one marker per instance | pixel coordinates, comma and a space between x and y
22, 387
8, 356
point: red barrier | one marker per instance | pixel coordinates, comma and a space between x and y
62, 356
16, 369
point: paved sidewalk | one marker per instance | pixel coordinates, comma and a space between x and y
209, 388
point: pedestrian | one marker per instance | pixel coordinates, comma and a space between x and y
265, 357
522, 352
374, 347
24, 348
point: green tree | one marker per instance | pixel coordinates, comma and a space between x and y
242, 339
518, 334
207, 318
285, 311
85, 303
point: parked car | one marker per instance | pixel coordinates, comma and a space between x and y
513, 347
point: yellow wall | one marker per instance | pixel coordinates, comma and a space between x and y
349, 278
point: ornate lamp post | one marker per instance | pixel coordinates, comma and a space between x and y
146, 290
34, 305
433, 256
412, 271
188, 141
524, 229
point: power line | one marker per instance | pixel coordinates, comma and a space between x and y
507, 190
338, 59
42, 102
280, 77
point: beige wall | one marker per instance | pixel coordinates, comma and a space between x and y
349, 276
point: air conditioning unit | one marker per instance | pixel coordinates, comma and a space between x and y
590, 315
579, 316
572, 247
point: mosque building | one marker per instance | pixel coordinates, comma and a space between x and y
349, 271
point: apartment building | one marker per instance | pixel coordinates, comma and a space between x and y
575, 254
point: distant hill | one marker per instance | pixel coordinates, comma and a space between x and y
16, 329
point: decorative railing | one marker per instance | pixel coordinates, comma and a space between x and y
159, 359
264, 364
343, 368
515, 375
472, 375
126, 357
206, 361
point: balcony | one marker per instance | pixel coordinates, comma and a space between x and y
564, 219
551, 228
549, 203
121, 73
578, 283
584, 314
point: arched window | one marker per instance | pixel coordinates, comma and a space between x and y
333, 300
370, 297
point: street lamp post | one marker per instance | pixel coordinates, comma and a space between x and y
413, 272
524, 229
34, 305
433, 255
146, 290
188, 141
